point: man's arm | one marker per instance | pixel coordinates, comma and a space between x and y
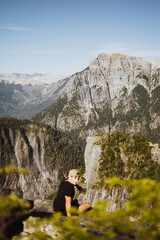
68, 205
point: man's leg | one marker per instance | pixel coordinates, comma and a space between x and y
85, 206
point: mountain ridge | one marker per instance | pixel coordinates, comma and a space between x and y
114, 93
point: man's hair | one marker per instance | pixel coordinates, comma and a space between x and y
73, 173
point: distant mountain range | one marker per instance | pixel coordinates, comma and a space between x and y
23, 95
114, 93
26, 79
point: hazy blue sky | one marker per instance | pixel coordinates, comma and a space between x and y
64, 36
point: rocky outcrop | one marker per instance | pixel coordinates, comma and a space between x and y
92, 156
115, 93
30, 227
42, 206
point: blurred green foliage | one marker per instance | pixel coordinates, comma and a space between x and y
12, 209
12, 169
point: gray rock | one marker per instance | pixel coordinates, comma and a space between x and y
32, 224
41, 205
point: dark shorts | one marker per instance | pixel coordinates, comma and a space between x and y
74, 203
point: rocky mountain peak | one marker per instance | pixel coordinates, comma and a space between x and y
115, 93
118, 61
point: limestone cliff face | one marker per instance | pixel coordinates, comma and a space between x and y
46, 154
28, 152
92, 156
115, 93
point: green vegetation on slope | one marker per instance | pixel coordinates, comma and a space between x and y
54, 110
127, 157
66, 151
12, 210
137, 118
155, 99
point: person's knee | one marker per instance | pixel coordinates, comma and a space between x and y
84, 206
88, 205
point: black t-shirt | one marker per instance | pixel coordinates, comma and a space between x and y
65, 189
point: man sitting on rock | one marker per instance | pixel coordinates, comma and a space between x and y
66, 192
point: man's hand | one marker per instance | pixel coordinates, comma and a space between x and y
79, 188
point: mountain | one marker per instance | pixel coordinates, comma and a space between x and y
114, 93
22, 96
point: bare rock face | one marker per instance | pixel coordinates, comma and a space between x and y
115, 93
28, 151
92, 155
43, 205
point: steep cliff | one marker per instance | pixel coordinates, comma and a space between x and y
115, 93
46, 153
122, 156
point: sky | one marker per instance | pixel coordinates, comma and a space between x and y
62, 37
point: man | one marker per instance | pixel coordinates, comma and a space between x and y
64, 200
